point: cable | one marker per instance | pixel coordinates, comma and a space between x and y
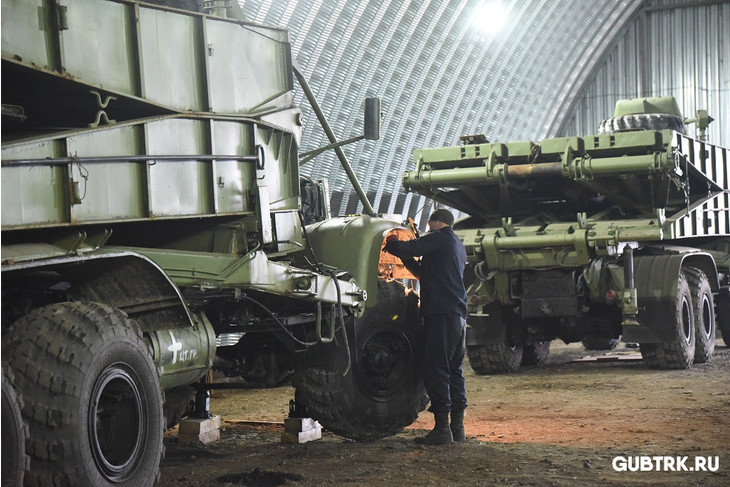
332, 274
342, 321
270, 313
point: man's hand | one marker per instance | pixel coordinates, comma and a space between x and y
389, 243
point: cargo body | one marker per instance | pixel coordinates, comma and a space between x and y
155, 228
618, 235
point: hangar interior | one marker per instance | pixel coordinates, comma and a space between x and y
168, 238
508, 69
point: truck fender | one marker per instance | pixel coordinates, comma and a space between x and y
133, 283
353, 243
656, 286
183, 344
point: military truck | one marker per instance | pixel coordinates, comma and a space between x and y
619, 234
155, 227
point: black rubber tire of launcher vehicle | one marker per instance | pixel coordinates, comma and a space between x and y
680, 351
642, 121
15, 431
704, 314
535, 353
382, 392
92, 396
495, 358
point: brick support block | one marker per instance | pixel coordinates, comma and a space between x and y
205, 431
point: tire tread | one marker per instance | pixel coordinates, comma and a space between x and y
55, 362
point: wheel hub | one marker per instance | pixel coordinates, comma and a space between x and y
117, 423
686, 321
385, 364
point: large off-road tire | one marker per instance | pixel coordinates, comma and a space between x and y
15, 432
535, 353
703, 307
595, 342
92, 396
494, 358
642, 121
383, 390
680, 351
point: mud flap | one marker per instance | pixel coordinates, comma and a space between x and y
656, 284
493, 326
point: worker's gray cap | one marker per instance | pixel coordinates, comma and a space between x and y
442, 215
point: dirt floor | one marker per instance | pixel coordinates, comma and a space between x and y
565, 423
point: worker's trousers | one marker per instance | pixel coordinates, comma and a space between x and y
443, 354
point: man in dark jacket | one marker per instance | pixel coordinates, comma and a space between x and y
443, 310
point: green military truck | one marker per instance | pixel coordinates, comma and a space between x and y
155, 226
619, 234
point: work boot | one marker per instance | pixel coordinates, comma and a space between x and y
457, 425
441, 432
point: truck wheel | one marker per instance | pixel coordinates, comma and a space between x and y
593, 342
704, 314
680, 351
494, 358
92, 396
15, 432
535, 353
383, 391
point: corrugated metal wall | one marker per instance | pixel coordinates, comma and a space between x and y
443, 68
671, 47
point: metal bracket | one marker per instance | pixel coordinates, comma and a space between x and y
508, 227
101, 114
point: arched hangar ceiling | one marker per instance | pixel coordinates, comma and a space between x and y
509, 69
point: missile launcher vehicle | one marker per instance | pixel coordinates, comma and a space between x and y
155, 228
622, 234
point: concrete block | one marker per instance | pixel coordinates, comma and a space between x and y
295, 425
205, 430
301, 437
300, 430
205, 438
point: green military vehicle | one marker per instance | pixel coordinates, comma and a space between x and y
619, 234
155, 227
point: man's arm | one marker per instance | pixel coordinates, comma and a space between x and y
412, 265
424, 245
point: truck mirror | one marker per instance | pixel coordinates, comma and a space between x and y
372, 118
